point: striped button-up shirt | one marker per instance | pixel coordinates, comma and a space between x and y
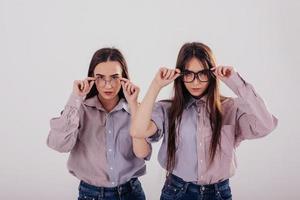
244, 117
100, 146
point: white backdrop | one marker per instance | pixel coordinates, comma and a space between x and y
45, 45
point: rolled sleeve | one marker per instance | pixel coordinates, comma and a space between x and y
159, 118
252, 116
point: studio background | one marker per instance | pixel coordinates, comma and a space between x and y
45, 45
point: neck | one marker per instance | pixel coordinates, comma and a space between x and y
109, 104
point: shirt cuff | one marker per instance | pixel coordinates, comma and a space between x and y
235, 82
75, 101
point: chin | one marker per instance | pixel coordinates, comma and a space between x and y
196, 94
108, 97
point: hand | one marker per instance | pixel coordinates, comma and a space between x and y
83, 87
223, 72
165, 76
130, 91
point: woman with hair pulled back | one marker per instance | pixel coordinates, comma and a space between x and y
94, 128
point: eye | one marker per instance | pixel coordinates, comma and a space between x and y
99, 76
204, 72
187, 73
115, 77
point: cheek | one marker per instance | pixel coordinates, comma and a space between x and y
187, 86
205, 85
99, 88
117, 88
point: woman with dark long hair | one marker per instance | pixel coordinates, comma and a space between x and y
200, 128
94, 128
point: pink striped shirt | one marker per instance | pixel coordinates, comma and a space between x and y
244, 117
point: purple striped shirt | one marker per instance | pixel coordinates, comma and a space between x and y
244, 117
99, 142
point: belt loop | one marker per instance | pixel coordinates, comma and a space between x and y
185, 187
119, 188
217, 188
101, 192
131, 182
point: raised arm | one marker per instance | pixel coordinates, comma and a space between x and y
141, 125
64, 129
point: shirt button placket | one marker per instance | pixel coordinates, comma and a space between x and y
201, 145
110, 147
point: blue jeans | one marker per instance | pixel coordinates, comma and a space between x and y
132, 190
177, 189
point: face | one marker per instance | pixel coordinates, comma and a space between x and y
108, 83
196, 87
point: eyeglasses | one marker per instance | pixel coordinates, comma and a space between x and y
113, 81
203, 76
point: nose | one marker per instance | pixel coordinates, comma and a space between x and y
196, 81
108, 84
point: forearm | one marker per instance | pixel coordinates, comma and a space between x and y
141, 148
142, 117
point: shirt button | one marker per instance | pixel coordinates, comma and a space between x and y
111, 168
109, 131
200, 143
201, 177
109, 150
112, 183
201, 161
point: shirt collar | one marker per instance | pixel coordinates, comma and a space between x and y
95, 102
194, 101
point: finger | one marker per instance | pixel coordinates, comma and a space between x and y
177, 70
123, 79
77, 84
91, 85
86, 85
81, 85
224, 70
219, 69
176, 76
164, 71
168, 74
123, 86
172, 74
132, 88
126, 86
213, 70
230, 70
135, 89
91, 78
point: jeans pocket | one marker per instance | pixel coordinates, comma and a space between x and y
137, 189
171, 192
225, 194
86, 197
87, 194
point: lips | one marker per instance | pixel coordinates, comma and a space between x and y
108, 93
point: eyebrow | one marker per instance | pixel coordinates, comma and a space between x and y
108, 75
197, 71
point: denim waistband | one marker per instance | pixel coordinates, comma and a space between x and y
192, 187
123, 188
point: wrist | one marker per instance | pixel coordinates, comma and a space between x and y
154, 85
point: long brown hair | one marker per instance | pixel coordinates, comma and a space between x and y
104, 55
181, 97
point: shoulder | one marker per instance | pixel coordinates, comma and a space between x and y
164, 104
